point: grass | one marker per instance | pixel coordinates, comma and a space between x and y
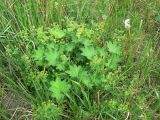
31, 78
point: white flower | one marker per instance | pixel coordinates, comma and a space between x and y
127, 24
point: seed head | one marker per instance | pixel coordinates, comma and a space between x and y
127, 24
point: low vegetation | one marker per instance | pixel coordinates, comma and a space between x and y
80, 59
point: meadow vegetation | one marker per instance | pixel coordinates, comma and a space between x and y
77, 60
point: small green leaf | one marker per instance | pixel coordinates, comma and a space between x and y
101, 52
114, 48
51, 57
51, 46
74, 70
113, 61
89, 52
59, 88
97, 80
60, 66
85, 79
39, 53
85, 42
57, 33
69, 47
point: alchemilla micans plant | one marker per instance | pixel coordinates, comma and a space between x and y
70, 66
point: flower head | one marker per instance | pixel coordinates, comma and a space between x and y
127, 24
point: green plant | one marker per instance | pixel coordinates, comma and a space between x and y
47, 110
59, 88
115, 56
75, 59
